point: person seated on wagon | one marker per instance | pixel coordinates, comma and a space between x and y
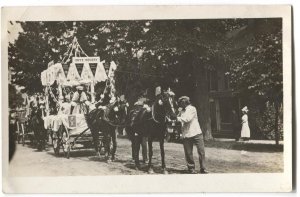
79, 99
65, 107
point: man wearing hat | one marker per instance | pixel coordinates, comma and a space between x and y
78, 99
192, 135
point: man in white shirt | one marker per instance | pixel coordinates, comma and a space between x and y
192, 135
79, 98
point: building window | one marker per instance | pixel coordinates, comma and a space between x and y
213, 80
226, 82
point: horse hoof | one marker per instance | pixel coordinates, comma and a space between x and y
108, 161
165, 172
137, 168
150, 171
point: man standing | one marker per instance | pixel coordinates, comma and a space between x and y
192, 135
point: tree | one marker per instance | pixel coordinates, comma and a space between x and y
13, 93
148, 52
257, 68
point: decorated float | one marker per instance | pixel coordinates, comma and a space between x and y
60, 81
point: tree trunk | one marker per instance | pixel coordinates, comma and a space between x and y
201, 100
276, 122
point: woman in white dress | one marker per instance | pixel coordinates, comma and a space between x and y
245, 133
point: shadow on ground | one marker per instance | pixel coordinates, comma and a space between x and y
232, 145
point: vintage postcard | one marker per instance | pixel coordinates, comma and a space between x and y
147, 99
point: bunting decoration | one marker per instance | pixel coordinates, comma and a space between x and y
100, 74
66, 69
79, 68
87, 73
73, 74
93, 67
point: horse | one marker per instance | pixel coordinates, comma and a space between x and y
151, 123
36, 124
105, 120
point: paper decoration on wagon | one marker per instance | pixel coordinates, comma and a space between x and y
66, 69
60, 74
100, 74
73, 74
87, 73
93, 67
72, 120
79, 67
44, 78
50, 76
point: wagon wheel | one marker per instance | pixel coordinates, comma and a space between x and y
18, 132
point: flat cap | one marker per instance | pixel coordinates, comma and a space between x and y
186, 98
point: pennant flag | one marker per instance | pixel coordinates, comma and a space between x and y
79, 68
87, 73
73, 73
100, 74
93, 67
66, 69
61, 77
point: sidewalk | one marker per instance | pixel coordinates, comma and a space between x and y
248, 142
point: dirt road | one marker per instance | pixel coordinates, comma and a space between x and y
29, 162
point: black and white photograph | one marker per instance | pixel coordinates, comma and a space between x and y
195, 97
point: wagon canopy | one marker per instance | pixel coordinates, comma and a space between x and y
75, 70
81, 70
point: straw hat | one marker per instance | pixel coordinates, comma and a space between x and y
79, 87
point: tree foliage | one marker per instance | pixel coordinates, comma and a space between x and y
171, 53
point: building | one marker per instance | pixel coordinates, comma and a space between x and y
222, 101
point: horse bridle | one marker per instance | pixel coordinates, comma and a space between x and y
110, 122
167, 118
152, 113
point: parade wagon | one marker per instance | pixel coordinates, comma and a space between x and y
22, 131
68, 128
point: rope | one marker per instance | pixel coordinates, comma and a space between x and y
82, 50
69, 48
72, 47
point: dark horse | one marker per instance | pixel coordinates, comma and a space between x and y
36, 124
150, 123
105, 120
